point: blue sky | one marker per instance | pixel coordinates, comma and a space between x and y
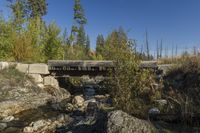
176, 22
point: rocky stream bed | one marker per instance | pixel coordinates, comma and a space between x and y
30, 107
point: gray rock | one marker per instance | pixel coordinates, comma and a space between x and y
121, 122
8, 119
154, 111
40, 85
37, 78
28, 130
161, 102
12, 130
63, 118
50, 81
39, 124
3, 126
69, 107
91, 109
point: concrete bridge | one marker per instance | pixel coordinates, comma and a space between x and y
77, 68
80, 67
88, 67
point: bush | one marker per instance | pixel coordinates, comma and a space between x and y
182, 84
131, 88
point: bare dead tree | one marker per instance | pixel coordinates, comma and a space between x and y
161, 48
166, 52
147, 45
172, 52
141, 50
194, 50
157, 49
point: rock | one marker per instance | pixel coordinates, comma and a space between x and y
121, 122
38, 125
19, 96
56, 106
37, 78
22, 67
91, 109
161, 102
3, 126
78, 101
155, 86
38, 69
12, 130
63, 118
40, 85
154, 111
28, 130
89, 101
50, 81
3, 65
89, 91
69, 107
8, 119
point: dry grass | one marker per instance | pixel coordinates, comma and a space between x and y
179, 59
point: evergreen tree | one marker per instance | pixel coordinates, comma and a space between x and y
81, 37
100, 44
77, 31
87, 45
28, 8
36, 8
52, 43
79, 15
5, 39
19, 12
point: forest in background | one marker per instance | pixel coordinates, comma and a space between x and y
25, 36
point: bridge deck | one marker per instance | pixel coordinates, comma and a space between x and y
88, 67
80, 67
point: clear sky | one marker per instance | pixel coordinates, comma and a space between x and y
176, 22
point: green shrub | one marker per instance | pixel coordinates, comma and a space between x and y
131, 88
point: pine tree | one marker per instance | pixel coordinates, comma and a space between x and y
28, 8
81, 37
18, 10
100, 44
87, 45
36, 8
52, 43
79, 15
80, 20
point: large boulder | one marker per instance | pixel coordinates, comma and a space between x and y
121, 122
38, 69
18, 93
3, 65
